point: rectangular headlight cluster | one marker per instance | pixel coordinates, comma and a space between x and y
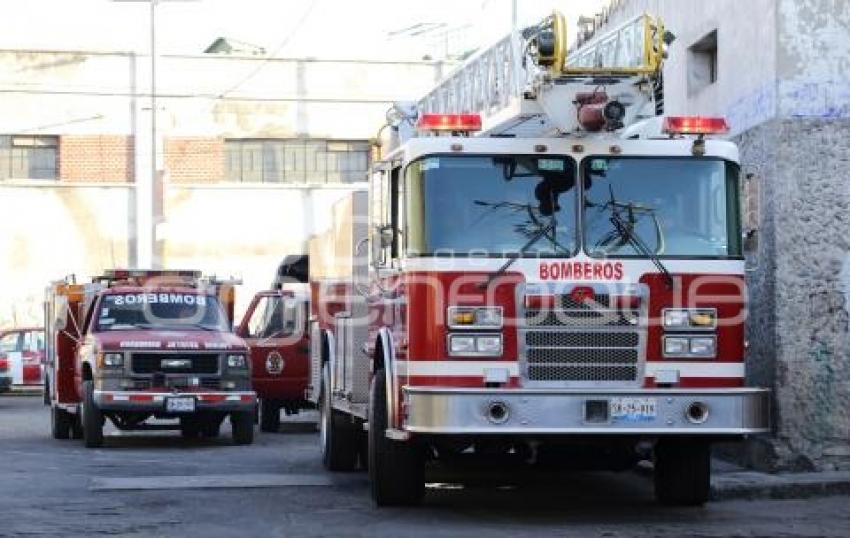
237, 361
690, 319
475, 317
475, 345
111, 360
690, 346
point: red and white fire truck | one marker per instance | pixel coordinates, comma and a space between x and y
567, 281
137, 344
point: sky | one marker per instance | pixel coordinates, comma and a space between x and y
290, 28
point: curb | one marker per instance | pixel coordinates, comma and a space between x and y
753, 485
21, 392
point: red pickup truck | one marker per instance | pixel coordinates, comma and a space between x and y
275, 329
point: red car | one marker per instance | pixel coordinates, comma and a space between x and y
21, 356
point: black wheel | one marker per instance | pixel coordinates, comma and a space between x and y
396, 469
682, 472
190, 427
92, 418
242, 424
211, 427
76, 427
60, 423
269, 415
336, 433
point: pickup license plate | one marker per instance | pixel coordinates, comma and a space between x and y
180, 405
633, 409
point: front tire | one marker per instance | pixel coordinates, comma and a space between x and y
92, 418
339, 452
396, 469
269, 416
242, 424
682, 472
60, 423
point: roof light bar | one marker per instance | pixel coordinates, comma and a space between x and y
694, 125
449, 122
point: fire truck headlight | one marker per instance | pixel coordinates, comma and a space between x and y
703, 346
700, 319
236, 361
475, 317
111, 360
490, 345
675, 346
462, 345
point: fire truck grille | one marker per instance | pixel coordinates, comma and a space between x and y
174, 363
582, 342
581, 318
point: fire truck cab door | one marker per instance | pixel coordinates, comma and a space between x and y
273, 328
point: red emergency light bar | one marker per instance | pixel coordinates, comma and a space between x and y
694, 125
449, 122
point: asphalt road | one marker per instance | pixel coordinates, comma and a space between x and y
51, 488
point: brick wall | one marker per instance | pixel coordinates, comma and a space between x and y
98, 158
194, 159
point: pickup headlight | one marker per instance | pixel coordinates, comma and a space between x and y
482, 345
689, 319
111, 360
696, 347
475, 317
237, 361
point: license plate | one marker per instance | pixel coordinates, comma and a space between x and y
633, 409
180, 405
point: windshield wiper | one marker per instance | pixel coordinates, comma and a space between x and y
626, 231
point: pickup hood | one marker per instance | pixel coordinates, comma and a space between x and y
164, 340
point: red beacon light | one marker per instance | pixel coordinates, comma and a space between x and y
455, 123
694, 125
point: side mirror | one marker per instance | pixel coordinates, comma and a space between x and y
751, 214
386, 235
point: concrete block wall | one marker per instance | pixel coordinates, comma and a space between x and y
96, 158
194, 159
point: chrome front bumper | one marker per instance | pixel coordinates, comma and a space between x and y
154, 402
731, 412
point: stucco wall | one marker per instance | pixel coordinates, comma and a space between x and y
48, 232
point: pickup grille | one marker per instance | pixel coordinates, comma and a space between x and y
584, 342
194, 363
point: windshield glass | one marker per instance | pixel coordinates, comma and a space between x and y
676, 207
491, 206
174, 311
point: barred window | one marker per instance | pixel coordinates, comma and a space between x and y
28, 157
296, 161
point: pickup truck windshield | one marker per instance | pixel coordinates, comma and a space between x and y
173, 311
678, 207
491, 206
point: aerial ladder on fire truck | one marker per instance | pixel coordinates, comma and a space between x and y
529, 84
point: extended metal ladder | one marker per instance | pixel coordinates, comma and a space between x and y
526, 84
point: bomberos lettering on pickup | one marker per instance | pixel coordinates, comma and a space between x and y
160, 298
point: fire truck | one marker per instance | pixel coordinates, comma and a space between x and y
546, 267
132, 345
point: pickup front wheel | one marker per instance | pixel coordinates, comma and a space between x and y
242, 424
92, 418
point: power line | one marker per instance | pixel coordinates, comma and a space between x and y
275, 52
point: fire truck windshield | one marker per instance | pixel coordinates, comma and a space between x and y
173, 311
677, 207
491, 206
